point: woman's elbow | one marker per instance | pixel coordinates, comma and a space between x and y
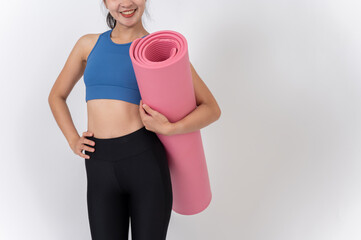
218, 113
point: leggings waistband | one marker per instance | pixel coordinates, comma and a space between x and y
113, 149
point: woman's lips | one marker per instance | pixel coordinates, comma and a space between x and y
128, 15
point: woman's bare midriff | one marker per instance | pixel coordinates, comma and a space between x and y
109, 118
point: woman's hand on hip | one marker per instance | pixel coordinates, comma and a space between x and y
79, 145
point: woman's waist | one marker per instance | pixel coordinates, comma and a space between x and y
109, 118
125, 146
110, 129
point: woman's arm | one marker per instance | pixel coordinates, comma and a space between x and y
68, 77
206, 112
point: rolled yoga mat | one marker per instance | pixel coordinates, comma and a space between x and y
162, 69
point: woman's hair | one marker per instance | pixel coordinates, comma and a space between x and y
111, 22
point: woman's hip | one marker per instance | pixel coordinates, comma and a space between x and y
118, 148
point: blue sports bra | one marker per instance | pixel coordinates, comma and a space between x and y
109, 72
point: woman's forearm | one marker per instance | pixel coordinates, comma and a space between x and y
201, 116
63, 118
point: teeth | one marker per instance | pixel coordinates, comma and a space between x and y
129, 12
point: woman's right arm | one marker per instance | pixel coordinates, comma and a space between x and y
68, 77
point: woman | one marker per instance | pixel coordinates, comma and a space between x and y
126, 164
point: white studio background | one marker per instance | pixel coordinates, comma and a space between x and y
283, 159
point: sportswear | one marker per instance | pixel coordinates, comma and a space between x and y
128, 178
109, 72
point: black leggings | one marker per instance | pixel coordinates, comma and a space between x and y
128, 177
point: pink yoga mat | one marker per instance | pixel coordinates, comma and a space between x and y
162, 69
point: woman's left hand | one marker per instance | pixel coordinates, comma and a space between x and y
155, 121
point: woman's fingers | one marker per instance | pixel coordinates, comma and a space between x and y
89, 142
84, 155
89, 149
82, 141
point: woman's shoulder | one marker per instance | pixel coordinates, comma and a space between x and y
89, 38
87, 42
